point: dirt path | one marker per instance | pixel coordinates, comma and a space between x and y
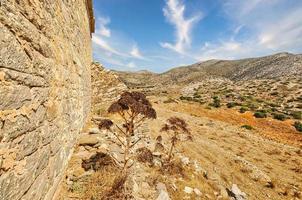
262, 168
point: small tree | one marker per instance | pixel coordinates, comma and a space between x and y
216, 102
176, 127
133, 108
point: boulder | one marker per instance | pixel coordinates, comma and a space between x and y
89, 140
236, 193
188, 190
197, 192
163, 195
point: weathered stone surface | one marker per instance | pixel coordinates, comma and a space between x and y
14, 96
45, 59
89, 140
106, 88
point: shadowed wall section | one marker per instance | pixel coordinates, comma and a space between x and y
45, 58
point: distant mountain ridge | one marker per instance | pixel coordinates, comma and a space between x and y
268, 67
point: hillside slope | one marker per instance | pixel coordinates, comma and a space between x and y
274, 66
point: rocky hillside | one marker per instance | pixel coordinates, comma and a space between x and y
106, 88
282, 64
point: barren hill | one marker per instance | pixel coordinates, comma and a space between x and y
273, 66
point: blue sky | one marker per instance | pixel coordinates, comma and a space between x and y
157, 35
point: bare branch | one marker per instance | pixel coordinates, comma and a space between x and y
121, 130
122, 143
139, 139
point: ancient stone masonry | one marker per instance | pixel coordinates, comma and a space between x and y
45, 58
106, 88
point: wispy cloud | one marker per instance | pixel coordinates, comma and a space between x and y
270, 28
113, 48
100, 42
131, 65
102, 26
135, 52
174, 12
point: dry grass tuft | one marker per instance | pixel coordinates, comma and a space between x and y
174, 167
106, 184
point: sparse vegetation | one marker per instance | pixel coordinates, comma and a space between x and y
243, 109
296, 114
177, 127
133, 108
231, 104
248, 127
186, 98
216, 102
298, 126
260, 114
279, 116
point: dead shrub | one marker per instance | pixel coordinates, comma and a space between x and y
118, 189
144, 155
97, 162
134, 109
177, 127
173, 168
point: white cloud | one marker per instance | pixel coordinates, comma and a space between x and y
131, 65
108, 45
269, 26
174, 11
98, 41
135, 52
102, 23
284, 33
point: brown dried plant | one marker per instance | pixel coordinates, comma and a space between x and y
134, 109
177, 127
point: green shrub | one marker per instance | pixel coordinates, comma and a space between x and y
243, 109
252, 106
298, 126
279, 116
296, 114
216, 102
260, 100
260, 114
274, 93
186, 98
196, 95
273, 109
231, 104
182, 98
248, 127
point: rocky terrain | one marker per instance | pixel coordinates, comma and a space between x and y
224, 160
244, 117
233, 155
274, 66
106, 88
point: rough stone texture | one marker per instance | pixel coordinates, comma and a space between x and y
45, 58
106, 88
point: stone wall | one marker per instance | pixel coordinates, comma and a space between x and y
106, 88
45, 58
